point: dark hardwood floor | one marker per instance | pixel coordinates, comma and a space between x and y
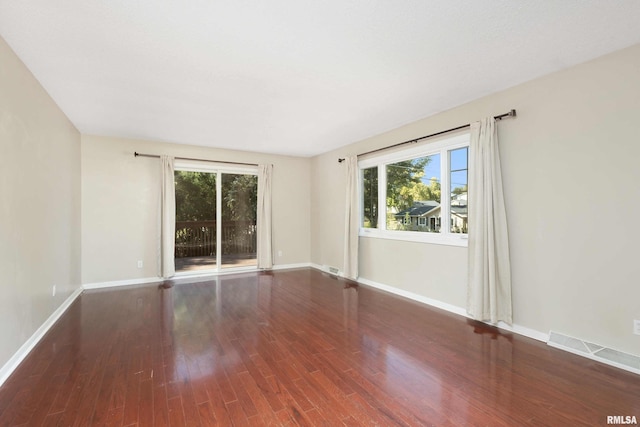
297, 347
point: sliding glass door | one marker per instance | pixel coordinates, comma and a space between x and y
215, 219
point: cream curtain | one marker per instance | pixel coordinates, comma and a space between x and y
265, 251
167, 218
489, 285
351, 220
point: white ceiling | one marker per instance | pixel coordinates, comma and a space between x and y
291, 76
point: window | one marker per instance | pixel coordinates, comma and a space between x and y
407, 186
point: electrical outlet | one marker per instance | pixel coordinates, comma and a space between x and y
53, 292
140, 264
279, 253
636, 327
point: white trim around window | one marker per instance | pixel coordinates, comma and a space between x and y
442, 147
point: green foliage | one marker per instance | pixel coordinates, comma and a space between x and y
417, 191
370, 197
404, 182
240, 197
196, 196
460, 190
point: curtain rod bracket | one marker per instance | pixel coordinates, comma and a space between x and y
510, 114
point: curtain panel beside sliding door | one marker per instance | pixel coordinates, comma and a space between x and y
167, 218
264, 238
351, 220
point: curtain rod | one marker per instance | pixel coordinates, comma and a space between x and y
511, 113
136, 154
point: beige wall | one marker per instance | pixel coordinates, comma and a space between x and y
39, 204
571, 179
120, 205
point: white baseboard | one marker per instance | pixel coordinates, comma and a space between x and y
290, 266
413, 296
26, 348
115, 283
524, 331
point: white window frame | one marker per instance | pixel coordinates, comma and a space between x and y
442, 147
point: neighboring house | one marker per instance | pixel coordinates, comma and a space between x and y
425, 215
459, 213
422, 216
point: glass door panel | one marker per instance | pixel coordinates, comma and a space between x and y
196, 237
238, 233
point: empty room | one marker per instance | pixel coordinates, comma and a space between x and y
290, 213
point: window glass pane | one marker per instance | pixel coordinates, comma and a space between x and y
458, 165
239, 202
195, 244
370, 197
413, 195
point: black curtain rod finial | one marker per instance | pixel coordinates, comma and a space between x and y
340, 160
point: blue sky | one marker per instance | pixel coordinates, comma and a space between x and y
458, 161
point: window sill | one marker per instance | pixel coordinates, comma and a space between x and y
451, 239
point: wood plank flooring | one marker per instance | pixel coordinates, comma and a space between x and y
297, 347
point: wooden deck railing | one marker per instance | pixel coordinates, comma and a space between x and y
198, 238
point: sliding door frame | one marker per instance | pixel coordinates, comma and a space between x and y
218, 169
